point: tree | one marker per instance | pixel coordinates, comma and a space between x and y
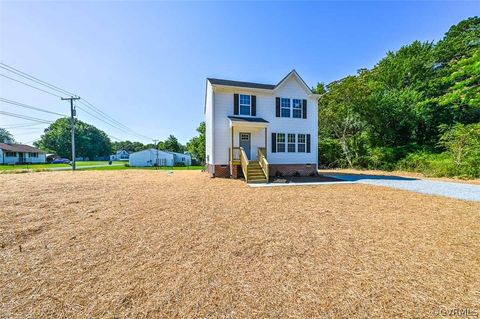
128, 146
89, 141
196, 145
5, 136
171, 144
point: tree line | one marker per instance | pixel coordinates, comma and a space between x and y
417, 109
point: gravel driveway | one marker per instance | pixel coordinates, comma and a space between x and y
448, 189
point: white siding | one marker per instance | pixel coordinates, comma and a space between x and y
291, 88
149, 157
209, 114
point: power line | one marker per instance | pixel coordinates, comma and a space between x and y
20, 125
29, 107
5, 76
20, 116
114, 122
34, 79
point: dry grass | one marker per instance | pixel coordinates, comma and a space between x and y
154, 244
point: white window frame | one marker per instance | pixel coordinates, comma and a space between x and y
299, 108
289, 143
289, 108
240, 104
281, 143
304, 143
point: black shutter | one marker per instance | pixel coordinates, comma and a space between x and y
254, 105
304, 109
308, 143
274, 142
277, 109
235, 104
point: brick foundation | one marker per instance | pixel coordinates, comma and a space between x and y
219, 170
235, 171
292, 169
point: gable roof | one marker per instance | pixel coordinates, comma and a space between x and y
253, 85
19, 148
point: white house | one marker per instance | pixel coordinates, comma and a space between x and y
151, 157
121, 155
11, 153
186, 159
261, 130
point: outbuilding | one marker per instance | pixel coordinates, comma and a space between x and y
151, 157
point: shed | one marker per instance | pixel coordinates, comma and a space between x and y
151, 157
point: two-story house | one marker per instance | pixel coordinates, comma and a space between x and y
260, 130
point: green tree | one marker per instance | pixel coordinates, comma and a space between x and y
5, 136
89, 141
171, 144
196, 145
127, 146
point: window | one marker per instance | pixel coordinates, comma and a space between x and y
10, 154
297, 108
285, 107
301, 143
281, 142
291, 143
33, 155
245, 104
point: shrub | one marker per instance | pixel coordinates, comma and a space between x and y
180, 164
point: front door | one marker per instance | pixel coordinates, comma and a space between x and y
245, 142
21, 157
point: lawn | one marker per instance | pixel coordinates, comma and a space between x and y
145, 243
47, 166
102, 165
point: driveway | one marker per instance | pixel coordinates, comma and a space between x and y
448, 189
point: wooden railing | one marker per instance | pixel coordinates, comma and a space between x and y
244, 161
235, 154
262, 160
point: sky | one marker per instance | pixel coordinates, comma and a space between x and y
145, 63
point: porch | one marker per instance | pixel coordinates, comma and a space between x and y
248, 148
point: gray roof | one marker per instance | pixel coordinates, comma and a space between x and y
248, 119
255, 85
241, 84
19, 148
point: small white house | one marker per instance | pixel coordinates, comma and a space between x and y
11, 153
261, 130
121, 155
151, 157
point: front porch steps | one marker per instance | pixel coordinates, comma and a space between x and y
255, 173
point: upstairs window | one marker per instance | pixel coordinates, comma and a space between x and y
285, 107
245, 104
291, 143
281, 142
297, 108
301, 143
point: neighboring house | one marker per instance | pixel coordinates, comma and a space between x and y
151, 157
261, 130
11, 153
120, 155
181, 158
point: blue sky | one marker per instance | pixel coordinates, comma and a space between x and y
145, 63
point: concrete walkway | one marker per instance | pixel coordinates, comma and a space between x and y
448, 189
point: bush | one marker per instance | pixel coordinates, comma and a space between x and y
127, 165
180, 164
430, 164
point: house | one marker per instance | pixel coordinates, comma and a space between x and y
11, 153
260, 130
151, 157
120, 155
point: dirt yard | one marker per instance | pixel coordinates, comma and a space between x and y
158, 244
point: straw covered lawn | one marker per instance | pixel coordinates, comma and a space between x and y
161, 244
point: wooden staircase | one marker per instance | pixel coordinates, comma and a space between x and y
255, 173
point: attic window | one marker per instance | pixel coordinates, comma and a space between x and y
245, 104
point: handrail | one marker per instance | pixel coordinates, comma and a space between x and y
262, 161
244, 161
234, 156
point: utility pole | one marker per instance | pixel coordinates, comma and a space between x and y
156, 150
72, 123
